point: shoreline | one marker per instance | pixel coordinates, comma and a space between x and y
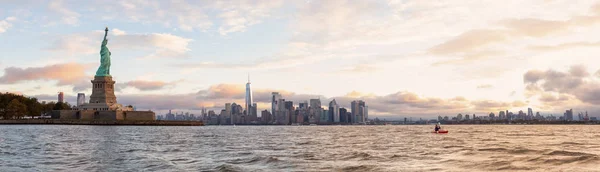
98, 122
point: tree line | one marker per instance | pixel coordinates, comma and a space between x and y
14, 106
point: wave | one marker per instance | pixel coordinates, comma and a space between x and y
570, 143
307, 143
515, 168
255, 160
493, 149
567, 153
523, 151
360, 168
361, 156
453, 146
227, 168
580, 159
399, 156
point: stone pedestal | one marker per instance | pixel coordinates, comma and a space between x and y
103, 92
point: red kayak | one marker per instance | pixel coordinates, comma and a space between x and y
441, 131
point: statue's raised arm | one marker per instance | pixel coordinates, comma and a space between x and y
104, 41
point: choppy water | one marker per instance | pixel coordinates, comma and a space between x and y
299, 148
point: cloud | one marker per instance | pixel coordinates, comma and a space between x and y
162, 45
564, 46
469, 41
160, 101
237, 16
558, 88
359, 68
535, 27
75, 44
5, 24
65, 74
485, 86
229, 17
68, 16
475, 44
144, 85
221, 91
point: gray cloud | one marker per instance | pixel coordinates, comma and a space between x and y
559, 88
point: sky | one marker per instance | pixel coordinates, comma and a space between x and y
405, 58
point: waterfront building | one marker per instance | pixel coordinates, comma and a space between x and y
343, 115
492, 116
80, 99
568, 116
265, 115
467, 117
501, 115
366, 113
226, 114
334, 111
325, 116
315, 111
299, 117
253, 113
459, 117
358, 111
521, 115
289, 106
275, 96
249, 102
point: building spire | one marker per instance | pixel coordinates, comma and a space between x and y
248, 78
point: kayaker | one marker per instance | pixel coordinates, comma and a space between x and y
437, 127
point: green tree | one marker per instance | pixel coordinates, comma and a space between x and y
15, 109
47, 107
61, 106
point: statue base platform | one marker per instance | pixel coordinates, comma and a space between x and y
104, 115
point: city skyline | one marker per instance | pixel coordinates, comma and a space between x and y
405, 58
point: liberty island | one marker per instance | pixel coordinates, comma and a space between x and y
102, 108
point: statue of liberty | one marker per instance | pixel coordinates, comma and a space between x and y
104, 69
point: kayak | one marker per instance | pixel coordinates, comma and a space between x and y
441, 131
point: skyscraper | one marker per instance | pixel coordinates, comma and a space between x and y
80, 98
226, 114
315, 110
344, 115
274, 102
334, 110
569, 115
61, 97
249, 102
359, 111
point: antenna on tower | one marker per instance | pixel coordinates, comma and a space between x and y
248, 77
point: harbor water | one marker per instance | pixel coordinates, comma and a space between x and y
299, 148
